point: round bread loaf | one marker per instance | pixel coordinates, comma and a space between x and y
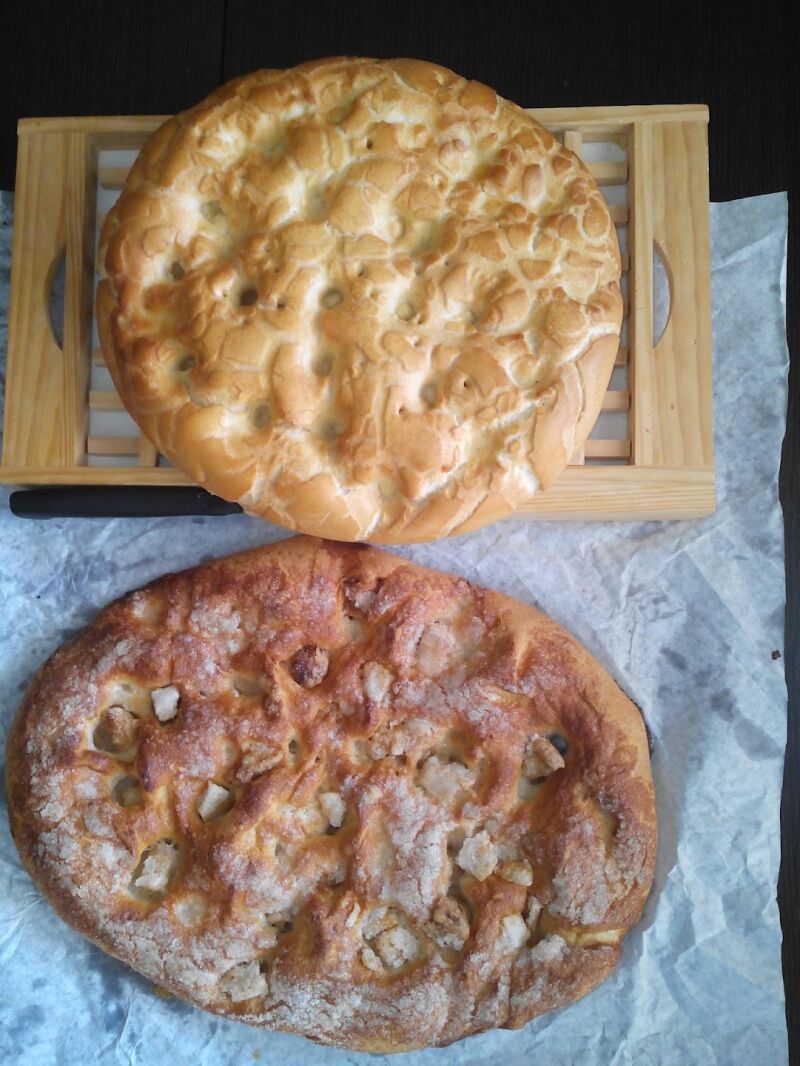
365, 299
323, 790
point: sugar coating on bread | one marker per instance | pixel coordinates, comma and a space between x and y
366, 299
415, 847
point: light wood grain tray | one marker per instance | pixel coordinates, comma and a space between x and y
650, 454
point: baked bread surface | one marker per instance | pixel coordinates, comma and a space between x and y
367, 299
323, 790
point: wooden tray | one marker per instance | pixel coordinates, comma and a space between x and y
650, 455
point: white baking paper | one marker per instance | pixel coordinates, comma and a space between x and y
688, 616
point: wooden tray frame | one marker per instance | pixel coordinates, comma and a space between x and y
669, 472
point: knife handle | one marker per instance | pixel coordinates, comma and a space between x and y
117, 501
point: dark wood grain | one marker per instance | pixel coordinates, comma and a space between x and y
151, 57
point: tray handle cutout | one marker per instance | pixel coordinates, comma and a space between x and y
54, 296
662, 294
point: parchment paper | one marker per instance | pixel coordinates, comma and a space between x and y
688, 617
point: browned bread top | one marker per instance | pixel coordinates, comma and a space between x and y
324, 790
364, 298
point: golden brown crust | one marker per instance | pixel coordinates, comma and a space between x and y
324, 790
366, 299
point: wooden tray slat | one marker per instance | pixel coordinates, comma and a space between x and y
96, 445
139, 446
586, 493
108, 400
105, 400
112, 445
618, 213
148, 456
604, 172
621, 360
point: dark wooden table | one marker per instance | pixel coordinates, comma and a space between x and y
159, 56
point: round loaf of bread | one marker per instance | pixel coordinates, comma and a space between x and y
365, 299
323, 790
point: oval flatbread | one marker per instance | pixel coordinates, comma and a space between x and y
323, 790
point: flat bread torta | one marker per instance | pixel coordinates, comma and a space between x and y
366, 299
323, 790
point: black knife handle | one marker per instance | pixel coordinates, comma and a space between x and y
117, 501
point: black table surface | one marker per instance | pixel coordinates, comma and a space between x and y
160, 56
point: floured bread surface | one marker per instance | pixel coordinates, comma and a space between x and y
323, 790
366, 299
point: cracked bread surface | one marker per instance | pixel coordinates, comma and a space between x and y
366, 299
320, 789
